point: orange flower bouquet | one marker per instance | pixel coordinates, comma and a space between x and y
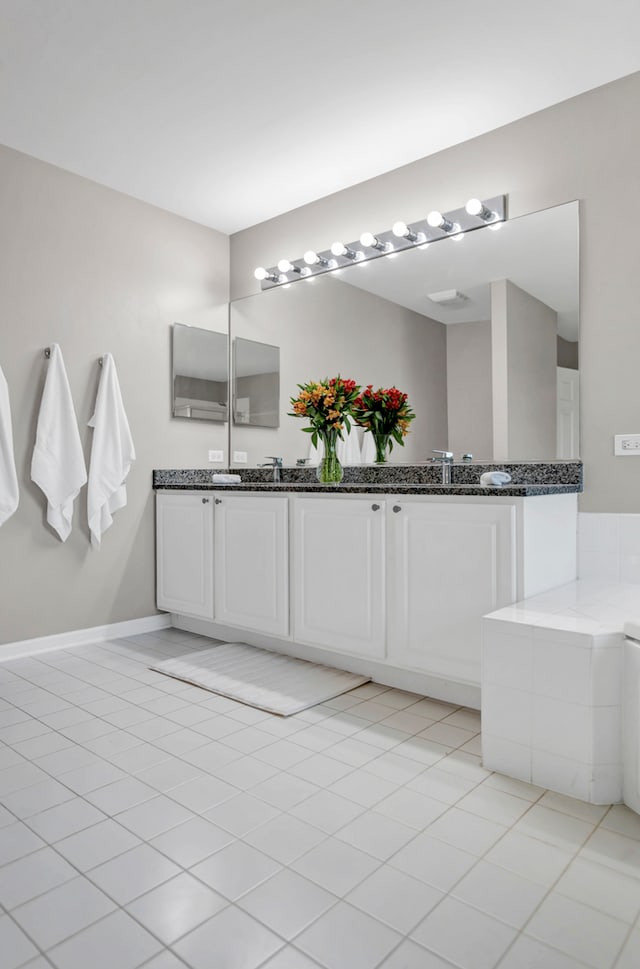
328, 405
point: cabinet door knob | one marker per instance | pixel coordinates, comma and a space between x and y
205, 501
396, 508
218, 501
375, 507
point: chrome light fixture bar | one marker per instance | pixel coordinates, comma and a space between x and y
476, 214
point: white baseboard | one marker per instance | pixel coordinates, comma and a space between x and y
80, 637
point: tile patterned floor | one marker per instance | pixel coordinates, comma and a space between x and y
146, 823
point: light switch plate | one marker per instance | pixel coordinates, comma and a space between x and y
627, 444
217, 456
239, 457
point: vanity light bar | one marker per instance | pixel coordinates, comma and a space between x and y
477, 214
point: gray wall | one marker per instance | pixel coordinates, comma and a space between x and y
586, 148
469, 389
95, 271
568, 354
324, 328
524, 368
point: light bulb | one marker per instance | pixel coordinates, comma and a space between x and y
458, 237
368, 239
435, 219
261, 273
338, 249
285, 266
400, 229
311, 257
474, 206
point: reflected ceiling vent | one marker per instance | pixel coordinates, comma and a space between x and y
451, 298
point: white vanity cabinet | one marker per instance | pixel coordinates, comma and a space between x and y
184, 553
338, 574
449, 564
252, 562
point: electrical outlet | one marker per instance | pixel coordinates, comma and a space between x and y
627, 444
239, 457
217, 456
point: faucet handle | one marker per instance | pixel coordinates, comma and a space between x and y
277, 462
444, 455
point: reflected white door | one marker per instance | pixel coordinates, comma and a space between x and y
568, 413
184, 554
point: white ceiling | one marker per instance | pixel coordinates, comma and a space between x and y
230, 112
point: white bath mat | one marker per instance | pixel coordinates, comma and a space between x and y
269, 681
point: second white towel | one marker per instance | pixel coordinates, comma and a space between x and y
112, 453
57, 466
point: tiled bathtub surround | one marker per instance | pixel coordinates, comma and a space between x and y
609, 547
541, 473
552, 674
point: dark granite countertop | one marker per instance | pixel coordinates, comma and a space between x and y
528, 479
392, 488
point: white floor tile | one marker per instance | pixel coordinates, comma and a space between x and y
526, 953
327, 811
285, 838
434, 862
630, 955
33, 800
95, 845
613, 850
241, 813
602, 888
345, 936
468, 938
15, 947
580, 932
135, 872
494, 805
287, 903
202, 793
235, 870
500, 893
622, 820
176, 907
466, 831
192, 841
115, 941
290, 958
284, 791
395, 898
60, 913
555, 828
363, 788
530, 858
151, 818
376, 834
32, 875
336, 866
238, 941
90, 778
65, 819
411, 808
17, 840
442, 785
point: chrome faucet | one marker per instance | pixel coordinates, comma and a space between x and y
445, 458
276, 464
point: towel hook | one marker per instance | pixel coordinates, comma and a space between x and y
100, 359
47, 352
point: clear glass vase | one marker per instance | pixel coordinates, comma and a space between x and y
329, 470
381, 442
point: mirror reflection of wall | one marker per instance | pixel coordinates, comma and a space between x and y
200, 384
256, 383
481, 333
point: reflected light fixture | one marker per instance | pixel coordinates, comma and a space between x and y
403, 231
420, 234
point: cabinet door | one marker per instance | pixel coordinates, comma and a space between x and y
252, 563
449, 565
338, 574
184, 554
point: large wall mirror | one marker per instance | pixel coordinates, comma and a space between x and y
200, 379
482, 334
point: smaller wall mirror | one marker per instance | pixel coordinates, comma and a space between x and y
200, 373
256, 383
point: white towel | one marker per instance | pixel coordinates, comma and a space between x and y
57, 466
494, 479
348, 449
220, 478
8, 477
112, 453
368, 448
